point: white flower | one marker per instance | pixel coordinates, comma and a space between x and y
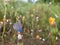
4, 16
37, 18
50, 3
43, 39
7, 20
10, 23
12, 7
1, 22
40, 30
19, 36
56, 16
56, 38
31, 33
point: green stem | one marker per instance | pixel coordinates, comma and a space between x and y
4, 25
54, 40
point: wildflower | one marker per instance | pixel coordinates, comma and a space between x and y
4, 18
43, 39
40, 30
1, 22
37, 18
10, 23
51, 20
19, 36
32, 15
23, 17
17, 26
56, 16
12, 7
7, 20
50, 3
56, 38
37, 37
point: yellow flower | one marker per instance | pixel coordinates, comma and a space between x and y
32, 15
51, 20
23, 17
37, 36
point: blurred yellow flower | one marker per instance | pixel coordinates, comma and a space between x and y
37, 37
32, 15
51, 20
23, 17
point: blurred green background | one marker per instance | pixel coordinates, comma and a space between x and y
34, 16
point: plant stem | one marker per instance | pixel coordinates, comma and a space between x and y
4, 24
